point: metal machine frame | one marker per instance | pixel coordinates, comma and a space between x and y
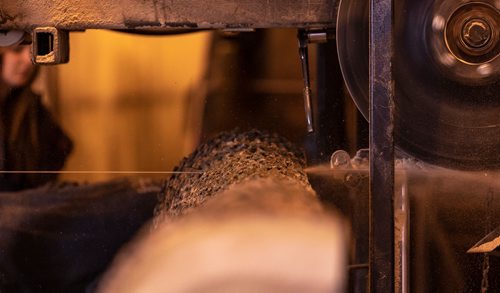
164, 15
50, 20
381, 235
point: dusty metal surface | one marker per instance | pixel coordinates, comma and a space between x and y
165, 14
381, 92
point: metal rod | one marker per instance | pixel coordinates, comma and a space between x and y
381, 86
304, 60
358, 266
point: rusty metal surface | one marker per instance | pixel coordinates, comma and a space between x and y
381, 93
165, 14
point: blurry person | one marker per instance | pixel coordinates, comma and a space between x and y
30, 139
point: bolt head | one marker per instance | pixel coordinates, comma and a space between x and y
476, 33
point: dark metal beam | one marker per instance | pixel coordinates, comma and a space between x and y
165, 14
381, 148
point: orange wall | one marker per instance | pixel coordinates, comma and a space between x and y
124, 100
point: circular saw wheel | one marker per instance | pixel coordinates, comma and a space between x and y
447, 77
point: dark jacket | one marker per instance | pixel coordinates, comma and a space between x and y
30, 140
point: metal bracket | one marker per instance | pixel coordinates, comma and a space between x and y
305, 37
50, 45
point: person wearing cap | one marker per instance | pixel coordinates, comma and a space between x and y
31, 141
